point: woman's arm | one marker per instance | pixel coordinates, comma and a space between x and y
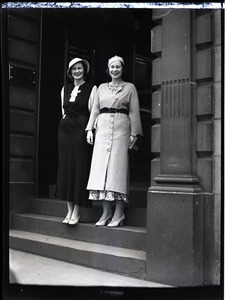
92, 97
90, 136
134, 113
62, 97
95, 110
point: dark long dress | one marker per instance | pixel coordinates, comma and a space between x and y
74, 156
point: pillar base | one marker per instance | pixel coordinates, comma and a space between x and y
173, 183
174, 246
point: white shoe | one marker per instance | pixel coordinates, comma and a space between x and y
74, 221
103, 221
117, 223
66, 220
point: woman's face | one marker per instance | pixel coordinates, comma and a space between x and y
77, 71
116, 69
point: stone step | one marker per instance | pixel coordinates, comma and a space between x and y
135, 216
109, 258
131, 237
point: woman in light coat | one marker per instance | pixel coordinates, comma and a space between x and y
115, 117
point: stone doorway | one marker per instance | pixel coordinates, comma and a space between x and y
97, 34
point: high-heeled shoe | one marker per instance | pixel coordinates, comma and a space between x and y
117, 223
103, 221
66, 220
74, 221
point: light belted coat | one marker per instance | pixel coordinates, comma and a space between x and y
110, 160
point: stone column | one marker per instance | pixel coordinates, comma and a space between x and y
174, 210
177, 155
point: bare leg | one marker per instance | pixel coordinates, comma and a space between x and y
69, 213
106, 214
119, 210
75, 212
75, 217
70, 209
107, 211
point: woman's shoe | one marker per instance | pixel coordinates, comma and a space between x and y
74, 221
117, 223
103, 221
66, 220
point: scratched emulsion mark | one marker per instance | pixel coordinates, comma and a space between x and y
147, 5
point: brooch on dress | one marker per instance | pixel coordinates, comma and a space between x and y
74, 93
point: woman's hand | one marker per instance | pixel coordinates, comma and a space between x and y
131, 139
90, 137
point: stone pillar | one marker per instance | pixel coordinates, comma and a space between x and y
175, 200
177, 166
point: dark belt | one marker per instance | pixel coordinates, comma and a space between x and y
112, 110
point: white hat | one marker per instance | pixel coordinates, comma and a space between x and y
76, 60
115, 58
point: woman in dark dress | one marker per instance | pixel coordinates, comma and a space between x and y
74, 156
